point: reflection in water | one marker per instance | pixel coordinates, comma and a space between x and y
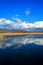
20, 49
10, 41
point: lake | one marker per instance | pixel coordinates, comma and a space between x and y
17, 50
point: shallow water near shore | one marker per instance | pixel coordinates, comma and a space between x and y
21, 50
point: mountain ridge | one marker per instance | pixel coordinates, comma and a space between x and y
20, 30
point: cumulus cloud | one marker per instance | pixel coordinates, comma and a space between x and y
3, 21
27, 12
18, 23
38, 24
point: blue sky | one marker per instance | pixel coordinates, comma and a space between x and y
11, 8
21, 13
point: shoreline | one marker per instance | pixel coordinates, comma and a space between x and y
4, 35
20, 33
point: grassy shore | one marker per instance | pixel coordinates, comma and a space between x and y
19, 33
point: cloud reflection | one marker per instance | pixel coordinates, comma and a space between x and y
20, 41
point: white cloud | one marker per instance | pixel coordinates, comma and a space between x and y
20, 24
4, 21
27, 12
17, 19
15, 16
38, 24
24, 24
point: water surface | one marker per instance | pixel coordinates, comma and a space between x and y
21, 50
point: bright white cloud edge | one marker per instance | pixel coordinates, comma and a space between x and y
18, 23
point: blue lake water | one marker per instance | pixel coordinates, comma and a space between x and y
21, 50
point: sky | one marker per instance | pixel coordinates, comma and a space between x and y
21, 12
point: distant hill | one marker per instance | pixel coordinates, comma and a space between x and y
33, 29
22, 30
11, 30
